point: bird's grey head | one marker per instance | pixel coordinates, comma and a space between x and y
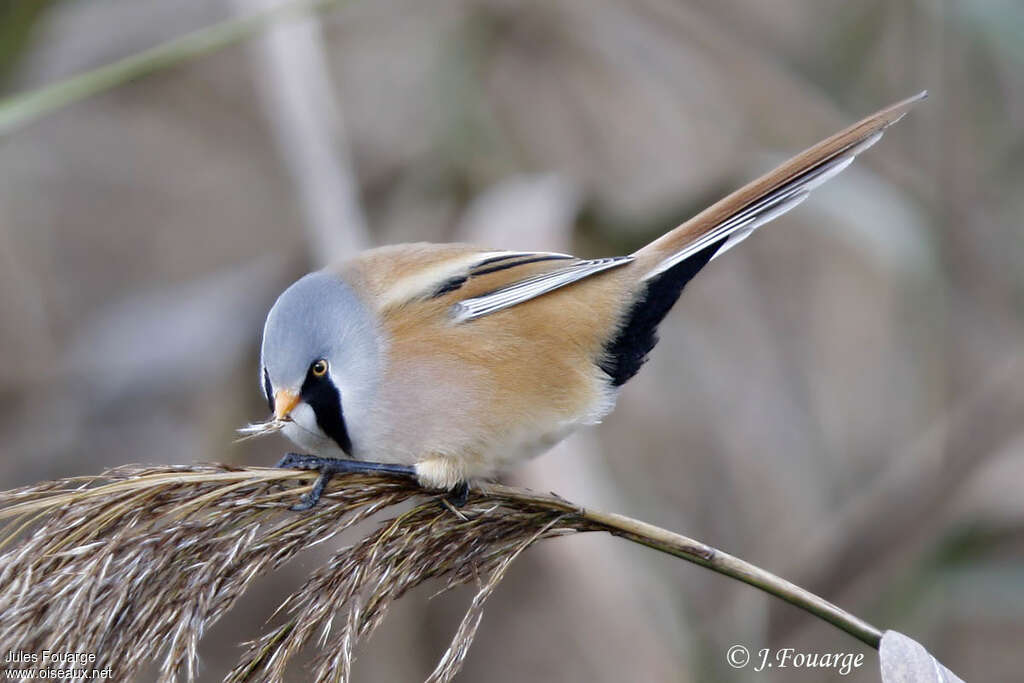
320, 363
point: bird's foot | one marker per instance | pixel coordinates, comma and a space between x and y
458, 496
328, 467
455, 499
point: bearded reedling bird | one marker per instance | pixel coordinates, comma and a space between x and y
449, 362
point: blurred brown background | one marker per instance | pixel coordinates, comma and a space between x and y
840, 401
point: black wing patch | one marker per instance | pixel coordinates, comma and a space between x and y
493, 264
533, 287
512, 264
450, 285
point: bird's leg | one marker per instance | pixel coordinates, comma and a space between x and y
328, 467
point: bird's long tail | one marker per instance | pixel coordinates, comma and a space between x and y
733, 218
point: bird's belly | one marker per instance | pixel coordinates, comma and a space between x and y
482, 445
527, 448
486, 396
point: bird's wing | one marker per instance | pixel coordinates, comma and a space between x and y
467, 281
531, 287
458, 273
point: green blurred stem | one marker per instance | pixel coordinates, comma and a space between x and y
23, 108
18, 18
704, 555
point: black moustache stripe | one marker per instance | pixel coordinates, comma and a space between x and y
268, 390
325, 400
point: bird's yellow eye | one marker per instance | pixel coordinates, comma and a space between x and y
319, 368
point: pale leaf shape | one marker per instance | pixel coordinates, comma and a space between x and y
906, 661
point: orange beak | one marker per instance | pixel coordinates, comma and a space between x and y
284, 403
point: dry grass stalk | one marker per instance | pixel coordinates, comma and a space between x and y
134, 565
428, 542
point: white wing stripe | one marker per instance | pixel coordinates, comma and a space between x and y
532, 287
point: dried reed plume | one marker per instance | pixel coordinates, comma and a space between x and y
257, 429
134, 565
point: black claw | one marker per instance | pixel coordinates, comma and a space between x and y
458, 496
328, 467
305, 503
313, 497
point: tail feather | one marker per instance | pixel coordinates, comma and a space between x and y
671, 261
773, 194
